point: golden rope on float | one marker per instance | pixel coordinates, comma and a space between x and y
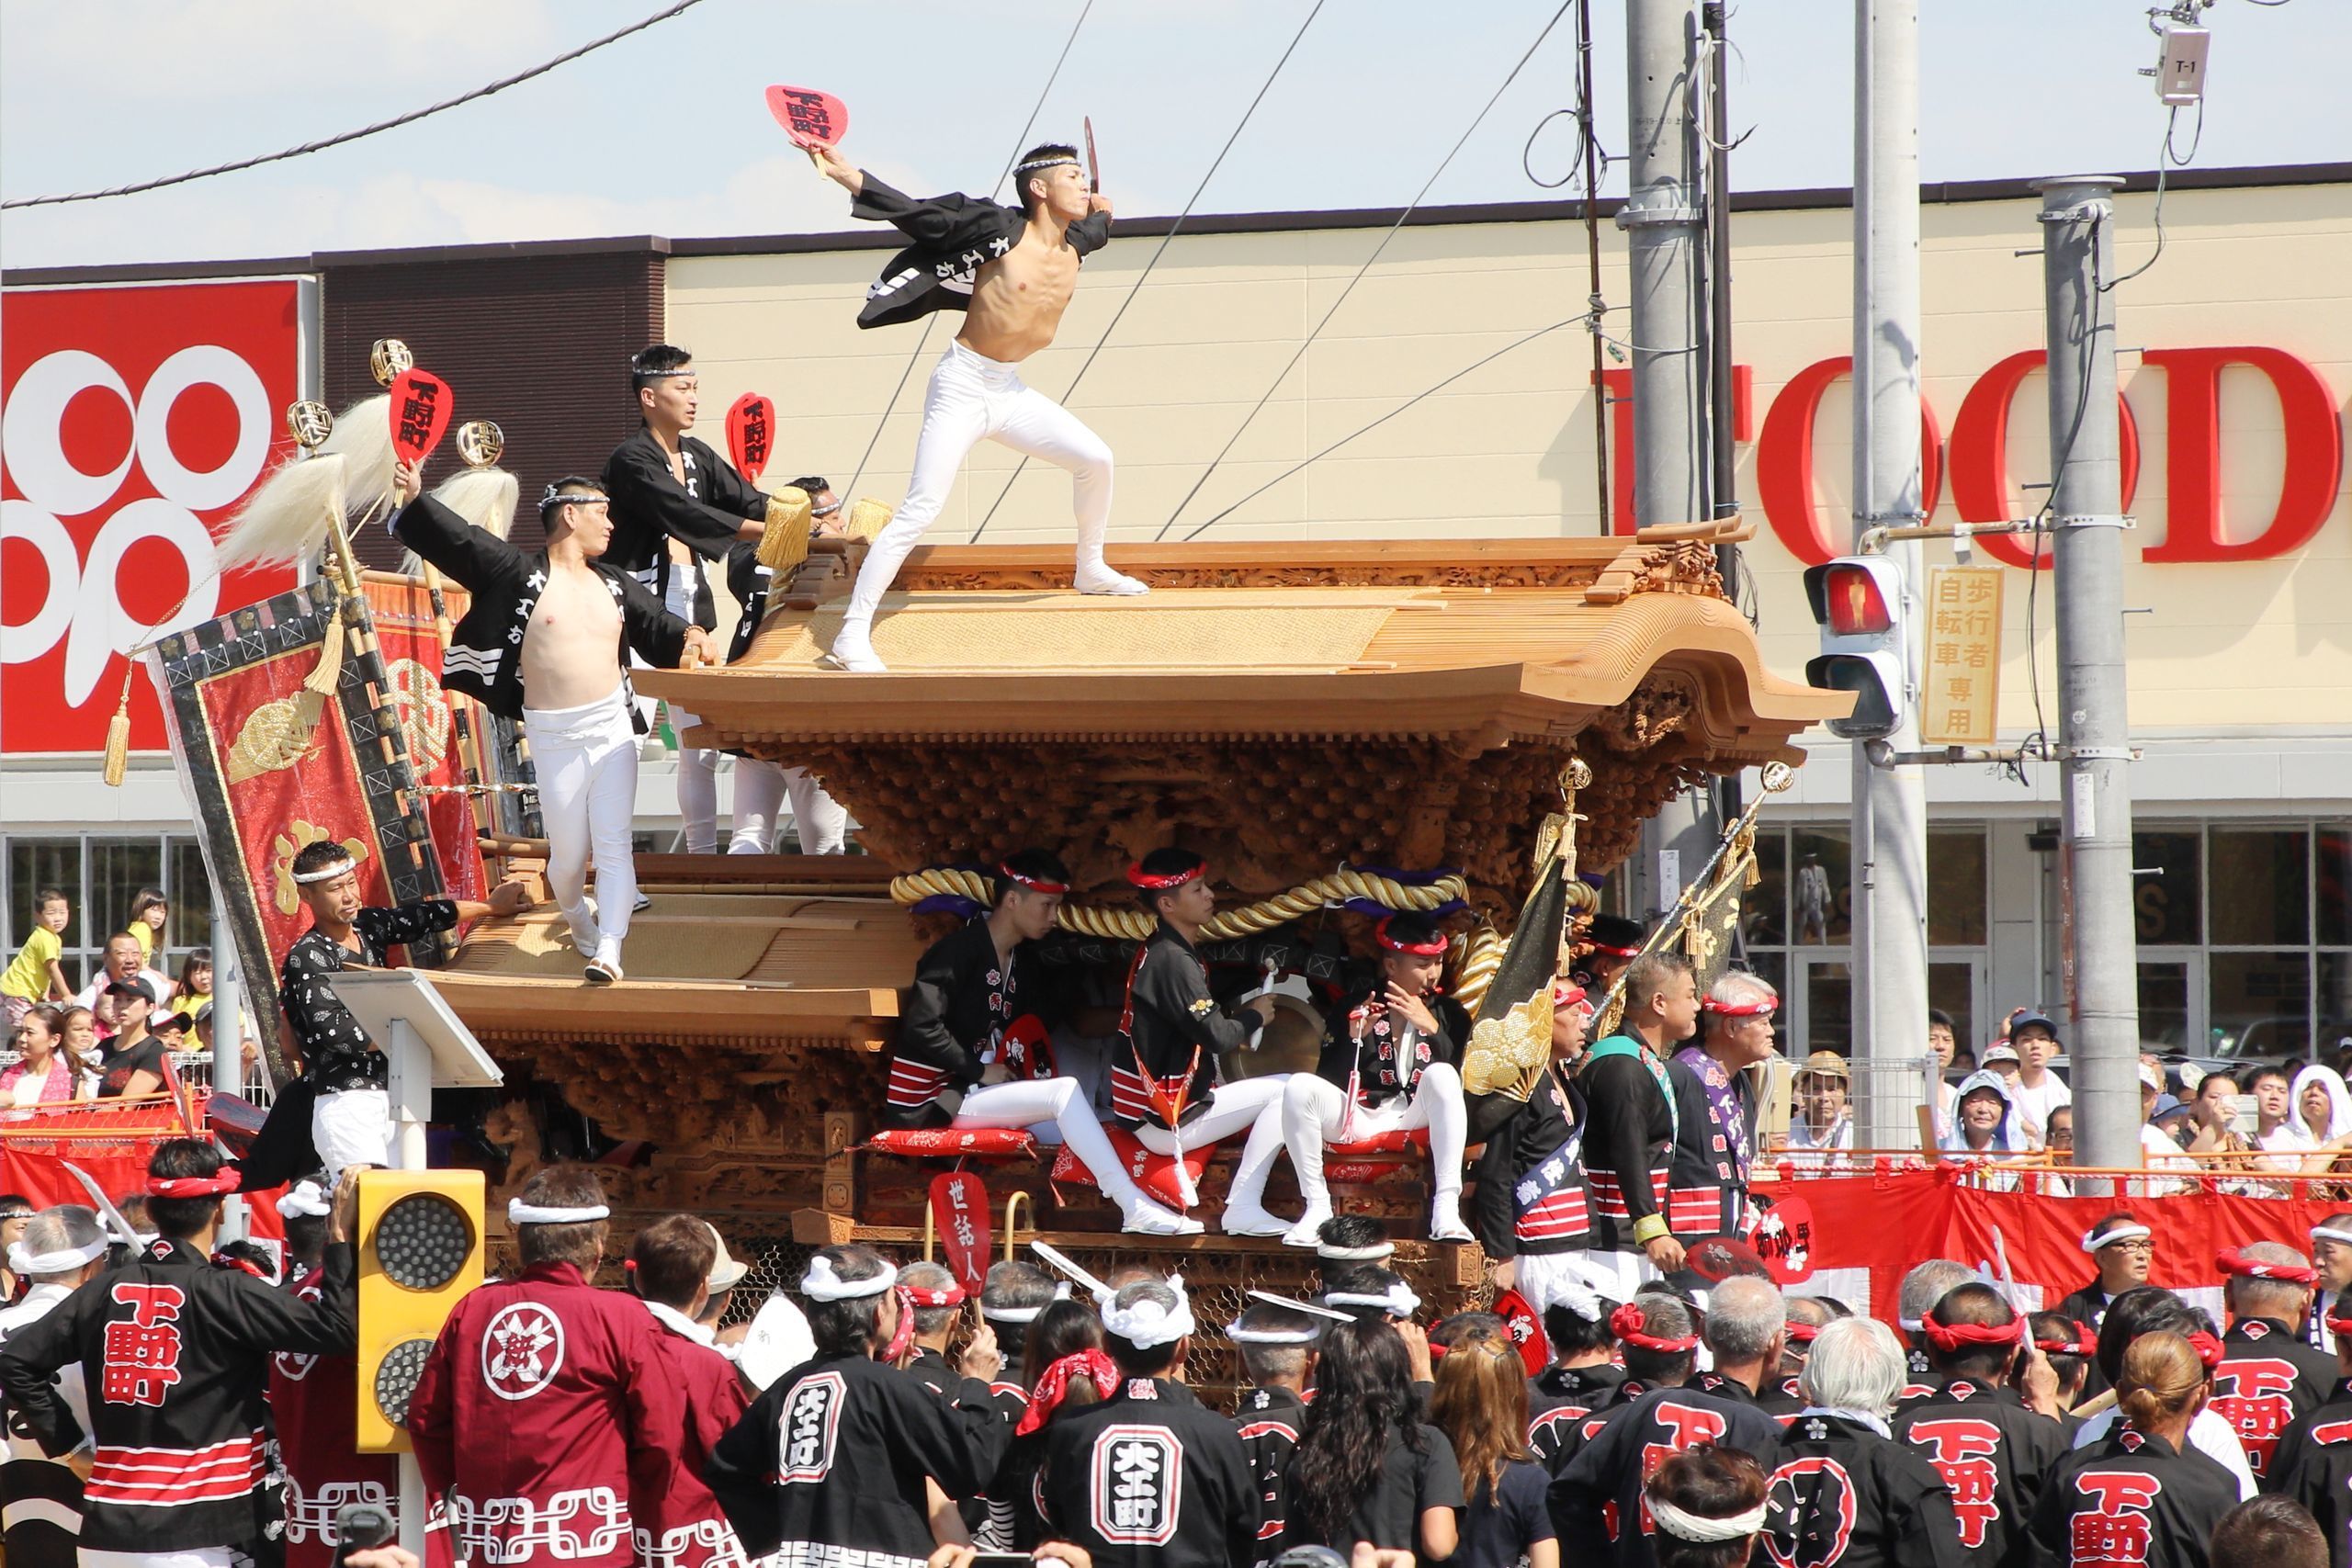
1133, 925
1476, 955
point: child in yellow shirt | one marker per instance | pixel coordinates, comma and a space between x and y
38, 974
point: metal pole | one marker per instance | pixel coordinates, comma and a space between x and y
2086, 582
1661, 220
409, 1079
1890, 830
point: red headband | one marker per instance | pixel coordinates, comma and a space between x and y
1566, 995
214, 1186
1950, 1337
2231, 1261
2340, 1325
1603, 947
1802, 1333
1627, 1324
223, 1261
1162, 882
1434, 948
946, 1296
2208, 1348
1054, 1386
1034, 883
1765, 1008
2083, 1343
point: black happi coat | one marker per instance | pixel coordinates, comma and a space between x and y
1629, 1132
1843, 1494
954, 236
1152, 1477
649, 506
1375, 1062
2130, 1499
175, 1352
1596, 1497
1525, 1205
2267, 1381
1558, 1397
953, 1016
485, 655
2313, 1464
751, 583
1171, 1025
1705, 1196
1992, 1454
336, 1053
830, 1461
1270, 1420
1567, 1437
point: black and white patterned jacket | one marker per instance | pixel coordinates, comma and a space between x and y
954, 236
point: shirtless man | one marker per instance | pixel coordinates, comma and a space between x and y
1012, 272
568, 616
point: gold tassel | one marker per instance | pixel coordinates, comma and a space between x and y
118, 759
867, 517
785, 543
329, 672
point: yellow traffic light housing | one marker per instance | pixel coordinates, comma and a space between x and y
421, 1249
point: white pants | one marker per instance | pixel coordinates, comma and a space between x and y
352, 1127
1315, 1112
1544, 1279
1618, 1275
972, 396
1254, 1103
586, 758
761, 790
1061, 1102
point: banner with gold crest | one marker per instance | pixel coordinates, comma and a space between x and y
270, 767
443, 729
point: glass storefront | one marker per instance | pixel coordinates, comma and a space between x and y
100, 873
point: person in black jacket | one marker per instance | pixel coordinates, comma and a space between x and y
1277, 1345
1391, 1062
2312, 1464
174, 1354
971, 1053
1582, 1377
1633, 1121
1012, 272
2123, 1249
2270, 1378
1534, 1212
2139, 1495
543, 642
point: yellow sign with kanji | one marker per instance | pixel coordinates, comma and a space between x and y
1959, 697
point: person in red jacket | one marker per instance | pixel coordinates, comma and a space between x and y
681, 1525
535, 1414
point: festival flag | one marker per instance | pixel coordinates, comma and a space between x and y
270, 767
442, 729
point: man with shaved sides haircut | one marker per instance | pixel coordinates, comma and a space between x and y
1990, 1451
2268, 1378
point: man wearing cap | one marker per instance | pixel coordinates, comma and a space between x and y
1277, 1342
972, 1050
1991, 1451
830, 1464
173, 1352
2123, 1249
58, 1251
1391, 1062
535, 1413
1171, 1032
2037, 1091
2268, 1378
133, 1066
1632, 1119
1823, 1121
1533, 1210
1715, 1106
1150, 1475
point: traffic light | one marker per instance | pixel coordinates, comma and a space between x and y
1858, 602
420, 1252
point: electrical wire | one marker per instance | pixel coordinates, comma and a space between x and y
2166, 162
319, 146
1306, 343
923, 340
1263, 88
1527, 153
1383, 419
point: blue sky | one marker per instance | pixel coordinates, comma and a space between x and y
666, 132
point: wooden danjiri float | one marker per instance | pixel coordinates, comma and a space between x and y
1338, 727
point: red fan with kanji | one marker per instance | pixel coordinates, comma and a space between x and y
751, 433
811, 118
421, 403
959, 1210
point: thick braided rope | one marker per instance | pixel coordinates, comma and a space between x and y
1476, 955
1133, 925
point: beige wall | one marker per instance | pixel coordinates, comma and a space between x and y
1508, 449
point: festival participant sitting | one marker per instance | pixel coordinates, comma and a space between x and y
1845, 1492
542, 644
2268, 1378
1632, 1120
540, 1390
1597, 1494
1583, 1376
1392, 1056
1707, 1505
1366, 1468
2312, 1464
1347, 1240
1715, 1106
677, 1523
1278, 1353
2123, 1249
341, 1115
61, 1250
1149, 1477
1164, 1069
2137, 1495
1533, 1210
174, 1349
1990, 1452
1823, 1121
833, 1462
2152, 1309
971, 1054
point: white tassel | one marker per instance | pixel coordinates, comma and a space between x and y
485, 498
287, 519
363, 437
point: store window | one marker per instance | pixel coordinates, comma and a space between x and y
100, 874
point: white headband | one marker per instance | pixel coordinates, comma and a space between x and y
71, 1257
2130, 1230
518, 1212
1397, 1301
1372, 1254
2329, 1232
1147, 1323
1054, 162
1684, 1525
327, 872
1579, 1298
303, 1200
821, 1284
1023, 1314
1241, 1336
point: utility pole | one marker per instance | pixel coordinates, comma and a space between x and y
1890, 808
1661, 219
2094, 734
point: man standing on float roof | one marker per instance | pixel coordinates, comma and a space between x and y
1012, 272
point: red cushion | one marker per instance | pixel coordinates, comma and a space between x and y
1154, 1173
948, 1143
1397, 1141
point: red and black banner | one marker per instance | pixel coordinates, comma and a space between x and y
443, 729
